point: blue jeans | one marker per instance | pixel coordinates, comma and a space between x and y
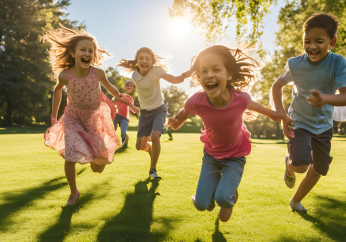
123, 123
211, 185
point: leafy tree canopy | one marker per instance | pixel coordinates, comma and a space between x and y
214, 16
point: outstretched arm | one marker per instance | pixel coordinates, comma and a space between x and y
318, 100
62, 81
176, 79
103, 79
128, 102
178, 120
254, 106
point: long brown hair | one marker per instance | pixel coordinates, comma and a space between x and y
237, 62
62, 41
131, 65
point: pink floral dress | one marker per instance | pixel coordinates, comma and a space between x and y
85, 132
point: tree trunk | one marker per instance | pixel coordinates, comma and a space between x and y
8, 118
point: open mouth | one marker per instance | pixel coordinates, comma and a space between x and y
86, 61
314, 54
212, 86
144, 66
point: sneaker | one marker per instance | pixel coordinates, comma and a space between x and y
72, 199
296, 207
290, 181
153, 173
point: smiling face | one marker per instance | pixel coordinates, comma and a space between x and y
84, 53
144, 62
129, 87
213, 75
317, 43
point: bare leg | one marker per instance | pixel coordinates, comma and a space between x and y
307, 184
156, 148
70, 172
142, 143
291, 169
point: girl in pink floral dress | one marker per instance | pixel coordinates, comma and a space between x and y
85, 133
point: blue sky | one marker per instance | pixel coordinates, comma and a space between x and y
122, 27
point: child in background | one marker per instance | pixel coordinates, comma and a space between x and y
147, 71
223, 73
122, 117
84, 134
317, 75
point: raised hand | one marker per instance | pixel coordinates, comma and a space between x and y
315, 99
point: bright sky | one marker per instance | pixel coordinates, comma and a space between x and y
122, 27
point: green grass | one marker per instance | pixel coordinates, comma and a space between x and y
121, 204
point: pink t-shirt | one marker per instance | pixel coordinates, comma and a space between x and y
123, 109
225, 134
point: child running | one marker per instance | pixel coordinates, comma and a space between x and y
223, 73
122, 117
316, 75
147, 70
84, 134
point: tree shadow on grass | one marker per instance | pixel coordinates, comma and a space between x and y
134, 220
58, 231
329, 218
14, 203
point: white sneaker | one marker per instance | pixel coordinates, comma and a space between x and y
298, 207
290, 181
153, 173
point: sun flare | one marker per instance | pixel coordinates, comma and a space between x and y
180, 26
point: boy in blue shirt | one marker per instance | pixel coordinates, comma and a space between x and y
316, 75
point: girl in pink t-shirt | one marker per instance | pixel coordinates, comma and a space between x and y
122, 117
223, 73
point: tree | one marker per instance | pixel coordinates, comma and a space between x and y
25, 75
213, 16
174, 99
289, 39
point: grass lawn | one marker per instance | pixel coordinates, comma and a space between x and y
122, 204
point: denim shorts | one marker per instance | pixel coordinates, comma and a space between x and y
150, 120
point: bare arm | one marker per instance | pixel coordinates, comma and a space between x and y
134, 108
176, 79
129, 103
62, 81
277, 98
103, 79
317, 99
277, 95
178, 120
254, 106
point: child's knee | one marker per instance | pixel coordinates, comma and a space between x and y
223, 200
200, 205
155, 136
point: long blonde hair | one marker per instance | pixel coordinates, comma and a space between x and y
62, 41
131, 65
